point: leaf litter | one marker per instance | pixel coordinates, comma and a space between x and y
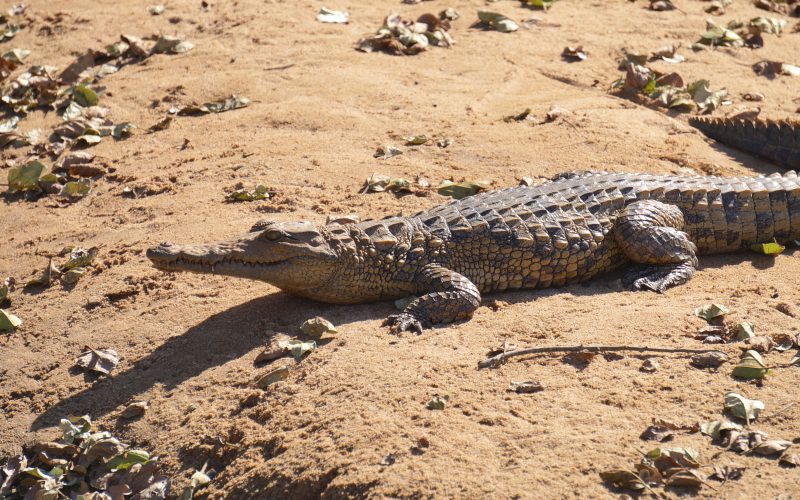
398, 36
83, 463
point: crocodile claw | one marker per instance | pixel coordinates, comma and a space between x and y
403, 322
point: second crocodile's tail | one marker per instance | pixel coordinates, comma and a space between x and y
777, 141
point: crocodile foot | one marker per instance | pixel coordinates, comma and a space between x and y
404, 322
658, 278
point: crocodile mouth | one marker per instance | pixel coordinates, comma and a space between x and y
174, 258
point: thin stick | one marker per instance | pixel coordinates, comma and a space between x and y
781, 410
503, 356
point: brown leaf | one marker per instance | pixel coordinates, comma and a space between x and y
135, 409
709, 359
574, 53
102, 361
727, 472
789, 458
685, 478
771, 447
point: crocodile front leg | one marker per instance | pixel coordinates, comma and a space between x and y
649, 233
448, 297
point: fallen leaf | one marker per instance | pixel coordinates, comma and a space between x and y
156, 10
744, 330
386, 151
231, 103
10, 472
526, 387
667, 457
84, 96
711, 311
497, 21
162, 124
715, 428
574, 53
751, 366
122, 130
73, 275
518, 117
625, 479
741, 407
416, 140
74, 189
102, 360
539, 4
649, 365
317, 326
771, 447
298, 348
782, 342
273, 376
50, 273
171, 45
727, 472
327, 15
760, 344
661, 5
8, 321
788, 459
78, 257
768, 248
260, 192
134, 410
25, 177
437, 402
198, 480
462, 189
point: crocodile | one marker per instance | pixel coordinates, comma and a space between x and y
563, 231
777, 141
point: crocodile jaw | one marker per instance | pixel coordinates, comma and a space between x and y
224, 258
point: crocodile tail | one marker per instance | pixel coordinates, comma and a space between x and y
777, 141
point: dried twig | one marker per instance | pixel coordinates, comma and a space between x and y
778, 412
501, 358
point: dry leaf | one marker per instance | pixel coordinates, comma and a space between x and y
102, 360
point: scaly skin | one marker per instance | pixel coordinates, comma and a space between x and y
777, 141
560, 232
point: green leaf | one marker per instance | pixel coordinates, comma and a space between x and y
462, 189
127, 459
74, 428
273, 376
498, 21
78, 257
741, 407
317, 326
539, 4
711, 311
768, 248
8, 321
25, 177
75, 189
416, 140
744, 331
84, 96
117, 49
766, 25
751, 366
300, 348
259, 193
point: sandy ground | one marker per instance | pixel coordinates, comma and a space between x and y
319, 110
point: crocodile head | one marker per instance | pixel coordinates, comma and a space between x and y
293, 256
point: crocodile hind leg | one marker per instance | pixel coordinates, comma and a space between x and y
649, 233
448, 297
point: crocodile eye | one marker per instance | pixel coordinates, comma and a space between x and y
273, 235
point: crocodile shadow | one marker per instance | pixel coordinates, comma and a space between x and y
212, 342
235, 332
